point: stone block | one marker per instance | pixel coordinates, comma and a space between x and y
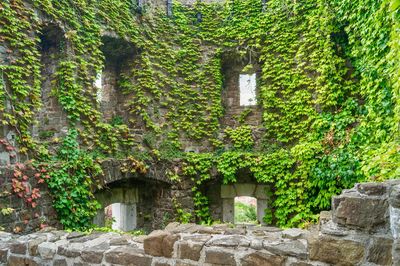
127, 256
228, 191
220, 256
294, 233
262, 257
47, 250
18, 248
33, 245
3, 253
261, 192
21, 261
187, 249
380, 251
262, 205
229, 241
372, 189
368, 214
69, 251
395, 196
60, 262
185, 263
92, 255
245, 189
168, 245
336, 251
153, 243
228, 215
293, 248
162, 264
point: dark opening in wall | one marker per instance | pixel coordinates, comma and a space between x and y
245, 210
52, 118
51, 37
118, 54
117, 50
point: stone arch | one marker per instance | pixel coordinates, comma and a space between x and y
229, 192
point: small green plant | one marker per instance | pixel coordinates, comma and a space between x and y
245, 213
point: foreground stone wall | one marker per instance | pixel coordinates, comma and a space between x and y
362, 229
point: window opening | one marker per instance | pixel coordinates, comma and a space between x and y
247, 85
98, 84
245, 210
169, 8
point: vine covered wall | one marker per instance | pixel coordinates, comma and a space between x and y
328, 93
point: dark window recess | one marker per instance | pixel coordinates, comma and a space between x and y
199, 17
169, 8
139, 6
264, 5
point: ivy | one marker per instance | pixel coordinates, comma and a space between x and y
329, 92
71, 183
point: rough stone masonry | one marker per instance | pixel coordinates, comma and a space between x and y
362, 229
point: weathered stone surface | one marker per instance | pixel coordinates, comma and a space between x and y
18, 248
119, 241
33, 245
69, 251
168, 245
372, 189
256, 244
363, 213
153, 243
60, 262
289, 248
229, 241
3, 253
92, 255
262, 258
189, 250
380, 251
395, 196
185, 263
47, 250
235, 231
20, 261
220, 256
294, 233
336, 251
162, 264
127, 256
75, 235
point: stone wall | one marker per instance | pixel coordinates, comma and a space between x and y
361, 229
24, 217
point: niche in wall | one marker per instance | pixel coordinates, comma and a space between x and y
53, 48
118, 54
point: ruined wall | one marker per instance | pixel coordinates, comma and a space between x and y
362, 229
23, 216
